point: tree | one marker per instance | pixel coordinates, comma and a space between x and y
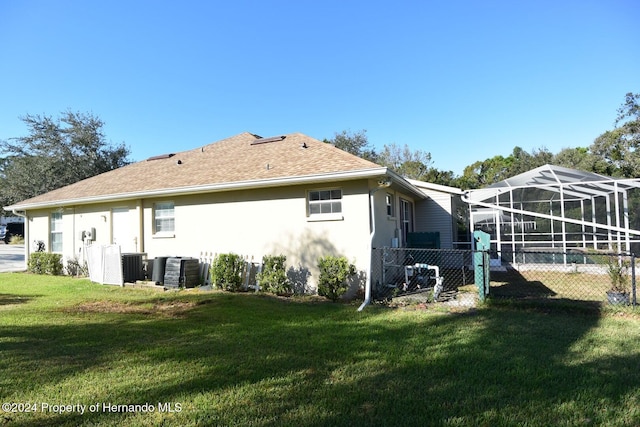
57, 152
355, 143
486, 172
620, 147
442, 177
581, 158
497, 168
414, 164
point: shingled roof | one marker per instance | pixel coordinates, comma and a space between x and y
242, 161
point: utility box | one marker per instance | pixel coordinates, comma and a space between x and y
157, 269
182, 272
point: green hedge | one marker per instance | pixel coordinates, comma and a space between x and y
45, 263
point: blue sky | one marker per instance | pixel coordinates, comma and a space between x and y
462, 80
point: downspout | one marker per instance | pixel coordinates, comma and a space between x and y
382, 183
140, 209
26, 234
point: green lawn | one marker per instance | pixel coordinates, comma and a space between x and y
253, 360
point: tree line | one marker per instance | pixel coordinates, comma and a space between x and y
60, 151
615, 153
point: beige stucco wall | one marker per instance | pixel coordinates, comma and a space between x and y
75, 220
250, 222
255, 223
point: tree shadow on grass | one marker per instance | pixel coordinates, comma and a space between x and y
242, 359
15, 299
511, 284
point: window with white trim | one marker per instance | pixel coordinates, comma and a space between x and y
164, 218
56, 232
390, 205
321, 202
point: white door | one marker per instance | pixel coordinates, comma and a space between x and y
122, 230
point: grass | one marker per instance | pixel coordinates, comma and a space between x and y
551, 284
253, 360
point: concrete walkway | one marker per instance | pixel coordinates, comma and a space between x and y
12, 258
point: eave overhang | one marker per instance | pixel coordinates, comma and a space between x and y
372, 173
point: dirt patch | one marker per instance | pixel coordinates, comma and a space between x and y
164, 308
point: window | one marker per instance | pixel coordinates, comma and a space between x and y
325, 202
406, 219
390, 210
56, 232
164, 217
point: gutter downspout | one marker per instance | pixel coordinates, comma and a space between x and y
382, 183
26, 234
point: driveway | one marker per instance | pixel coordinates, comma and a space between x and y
11, 258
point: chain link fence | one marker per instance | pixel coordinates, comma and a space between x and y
397, 272
402, 271
601, 277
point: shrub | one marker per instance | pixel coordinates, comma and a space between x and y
334, 272
226, 271
75, 268
16, 239
45, 263
273, 277
617, 269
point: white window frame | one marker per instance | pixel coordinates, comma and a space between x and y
325, 204
56, 229
391, 205
160, 207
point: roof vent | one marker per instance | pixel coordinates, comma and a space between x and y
266, 140
162, 156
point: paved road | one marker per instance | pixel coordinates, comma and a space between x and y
11, 258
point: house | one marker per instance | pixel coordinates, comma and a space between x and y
442, 211
290, 194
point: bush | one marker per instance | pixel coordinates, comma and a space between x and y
45, 263
334, 272
75, 268
16, 239
226, 272
273, 277
618, 272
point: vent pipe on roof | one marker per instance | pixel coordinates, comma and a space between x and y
265, 140
161, 156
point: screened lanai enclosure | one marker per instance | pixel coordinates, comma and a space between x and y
556, 209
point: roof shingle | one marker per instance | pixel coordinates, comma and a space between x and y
233, 160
